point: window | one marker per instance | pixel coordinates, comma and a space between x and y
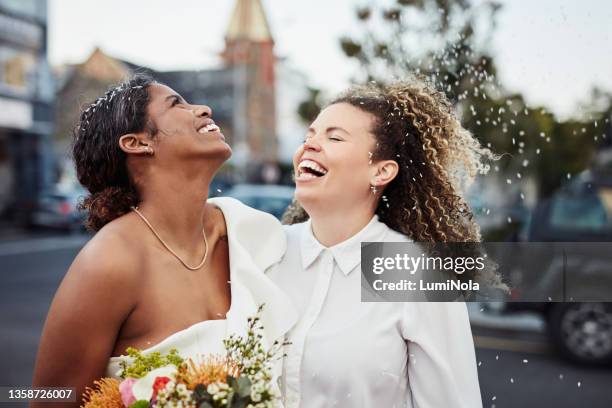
17, 71
30, 8
588, 210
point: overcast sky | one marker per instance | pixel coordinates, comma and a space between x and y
554, 51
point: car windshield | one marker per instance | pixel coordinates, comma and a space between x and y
590, 210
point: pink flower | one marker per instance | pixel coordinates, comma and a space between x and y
125, 388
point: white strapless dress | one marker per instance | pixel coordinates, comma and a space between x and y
256, 241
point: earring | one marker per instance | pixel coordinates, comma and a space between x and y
373, 189
149, 151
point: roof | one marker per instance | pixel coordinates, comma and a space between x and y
104, 67
248, 22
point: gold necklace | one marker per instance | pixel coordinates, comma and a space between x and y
191, 268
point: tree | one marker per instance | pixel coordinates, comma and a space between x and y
311, 106
446, 41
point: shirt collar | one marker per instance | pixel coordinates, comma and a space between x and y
347, 254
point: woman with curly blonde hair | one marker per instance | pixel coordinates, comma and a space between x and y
383, 163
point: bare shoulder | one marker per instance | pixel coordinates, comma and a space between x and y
95, 298
214, 221
113, 256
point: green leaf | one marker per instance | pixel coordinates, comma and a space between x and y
230, 398
243, 386
140, 404
201, 394
240, 402
206, 404
231, 381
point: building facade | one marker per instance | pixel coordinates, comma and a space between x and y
26, 107
241, 92
249, 55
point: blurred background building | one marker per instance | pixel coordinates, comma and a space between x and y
26, 101
254, 95
242, 93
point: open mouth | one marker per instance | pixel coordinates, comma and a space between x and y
208, 126
309, 169
211, 127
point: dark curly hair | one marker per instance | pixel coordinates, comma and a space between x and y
100, 163
417, 127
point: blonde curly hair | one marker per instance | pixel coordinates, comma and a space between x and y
438, 159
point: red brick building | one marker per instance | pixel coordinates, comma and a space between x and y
249, 52
241, 91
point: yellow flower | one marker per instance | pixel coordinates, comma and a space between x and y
105, 394
208, 370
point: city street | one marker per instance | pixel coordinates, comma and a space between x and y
526, 373
516, 368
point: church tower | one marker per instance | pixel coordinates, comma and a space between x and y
249, 54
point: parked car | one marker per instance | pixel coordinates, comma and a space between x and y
579, 212
273, 199
59, 209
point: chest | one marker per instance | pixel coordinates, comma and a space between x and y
172, 297
336, 326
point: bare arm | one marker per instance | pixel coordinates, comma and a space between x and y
94, 299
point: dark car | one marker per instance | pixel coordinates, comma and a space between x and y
59, 210
580, 212
273, 199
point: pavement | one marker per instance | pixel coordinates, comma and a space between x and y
517, 366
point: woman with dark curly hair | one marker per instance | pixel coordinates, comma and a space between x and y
379, 163
168, 267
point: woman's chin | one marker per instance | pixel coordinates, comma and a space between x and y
227, 151
308, 197
221, 152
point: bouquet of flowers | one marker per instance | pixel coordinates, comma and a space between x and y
240, 379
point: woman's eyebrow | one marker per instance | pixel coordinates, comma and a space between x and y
329, 129
334, 128
175, 96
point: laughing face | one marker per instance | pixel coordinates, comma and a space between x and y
184, 130
333, 166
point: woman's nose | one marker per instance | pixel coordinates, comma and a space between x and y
311, 144
203, 111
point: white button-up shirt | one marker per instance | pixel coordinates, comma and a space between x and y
347, 353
